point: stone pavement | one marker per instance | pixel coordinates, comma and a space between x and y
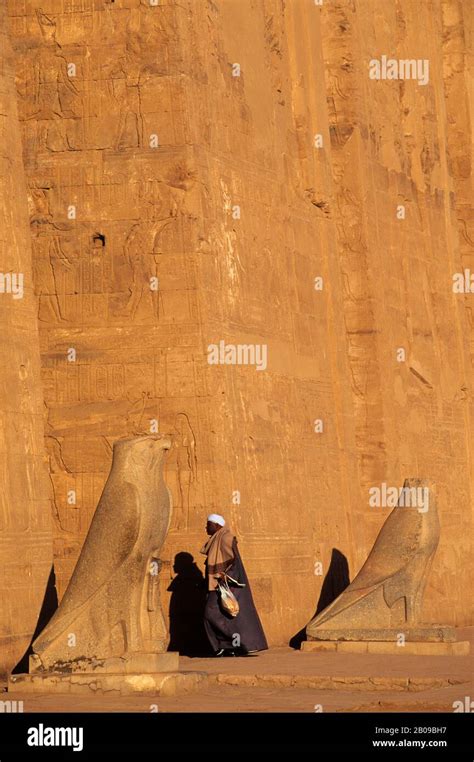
284, 680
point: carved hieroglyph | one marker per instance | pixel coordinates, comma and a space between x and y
111, 607
388, 590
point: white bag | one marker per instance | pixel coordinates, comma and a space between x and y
229, 602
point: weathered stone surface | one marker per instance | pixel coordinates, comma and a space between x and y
161, 684
119, 665
26, 551
112, 607
248, 141
418, 648
411, 634
321, 682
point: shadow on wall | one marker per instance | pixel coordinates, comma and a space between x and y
48, 607
335, 581
186, 612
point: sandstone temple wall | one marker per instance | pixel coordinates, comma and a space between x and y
25, 507
181, 142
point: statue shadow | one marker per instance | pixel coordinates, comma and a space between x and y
334, 583
186, 610
48, 607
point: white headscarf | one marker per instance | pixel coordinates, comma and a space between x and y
216, 518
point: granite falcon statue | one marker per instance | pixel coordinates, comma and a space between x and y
388, 590
111, 607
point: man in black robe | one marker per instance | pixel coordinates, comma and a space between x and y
243, 634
